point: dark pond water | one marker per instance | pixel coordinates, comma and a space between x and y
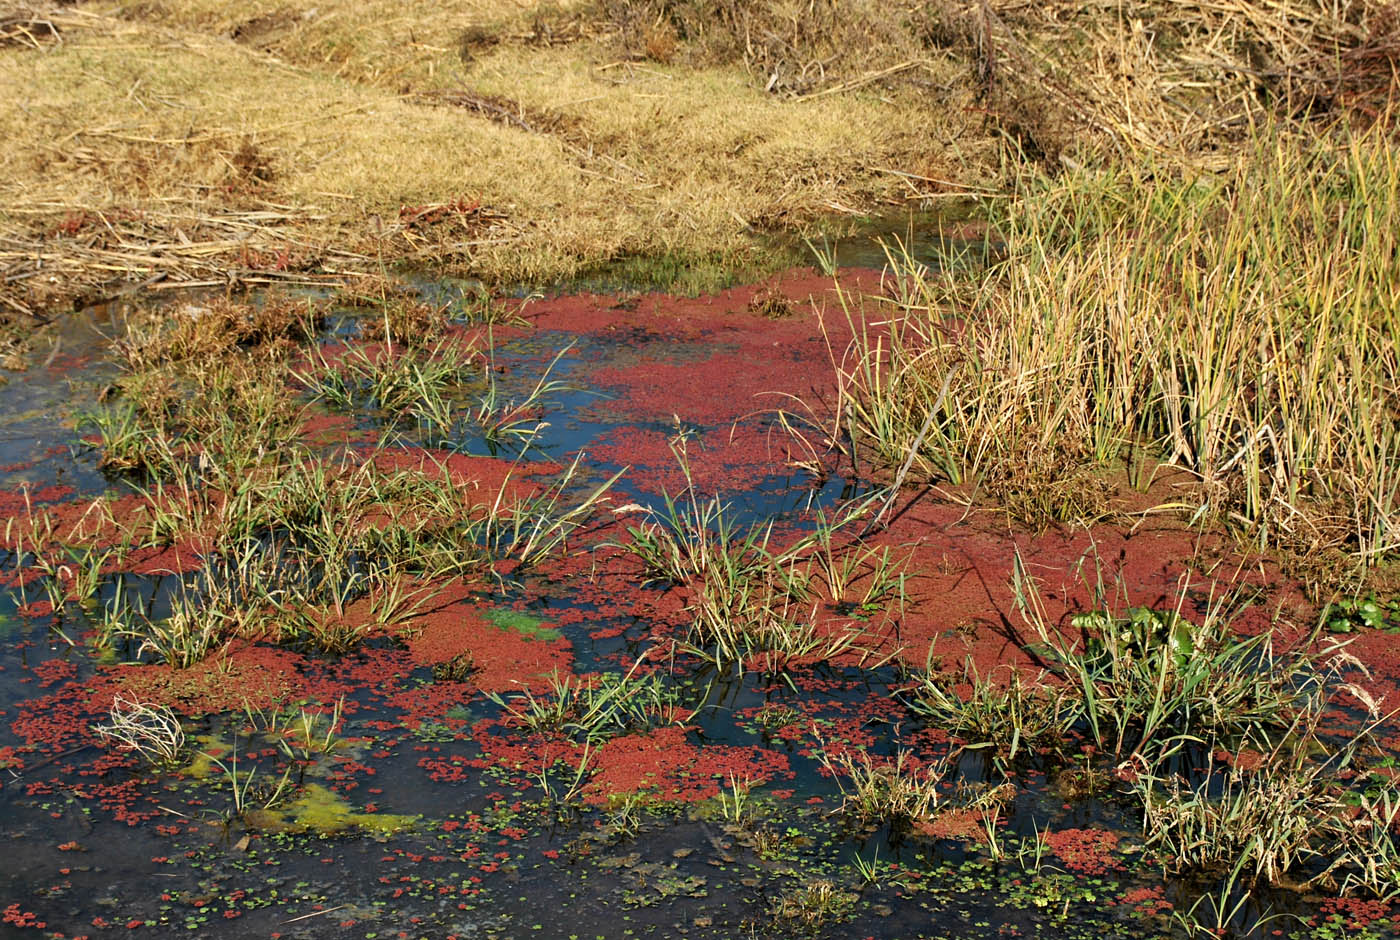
430, 815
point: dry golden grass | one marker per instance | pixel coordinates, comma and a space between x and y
152, 140
213, 141
1238, 325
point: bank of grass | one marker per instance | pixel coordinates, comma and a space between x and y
165, 141
1239, 324
217, 141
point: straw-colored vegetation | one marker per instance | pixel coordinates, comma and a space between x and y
197, 141
1239, 324
212, 140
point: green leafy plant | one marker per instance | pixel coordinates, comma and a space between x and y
1149, 680
1369, 613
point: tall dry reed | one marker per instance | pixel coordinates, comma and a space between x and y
1240, 325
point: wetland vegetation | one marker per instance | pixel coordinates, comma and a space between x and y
385, 555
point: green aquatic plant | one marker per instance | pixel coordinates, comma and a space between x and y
1009, 719
1148, 680
319, 810
1139, 633
1369, 612
523, 623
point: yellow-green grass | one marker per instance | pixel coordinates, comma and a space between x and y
1241, 325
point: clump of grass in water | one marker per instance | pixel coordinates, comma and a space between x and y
294, 542
69, 569
303, 735
397, 383
905, 792
1008, 719
229, 416
814, 905
500, 420
1146, 682
403, 319
595, 708
153, 731
880, 792
1286, 814
244, 796
204, 384
1231, 325
755, 603
211, 606
441, 389
590, 710
203, 334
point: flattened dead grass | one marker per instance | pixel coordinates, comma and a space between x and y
212, 141
155, 141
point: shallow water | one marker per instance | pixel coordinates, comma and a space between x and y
430, 818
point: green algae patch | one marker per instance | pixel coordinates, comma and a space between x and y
205, 763
317, 809
531, 627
